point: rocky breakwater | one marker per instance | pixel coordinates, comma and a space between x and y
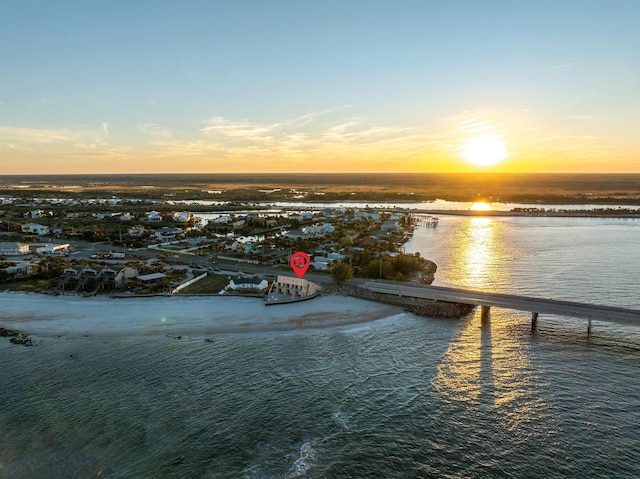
419, 306
16, 337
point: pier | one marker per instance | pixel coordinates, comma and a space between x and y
486, 301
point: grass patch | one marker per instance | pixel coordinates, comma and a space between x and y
29, 285
212, 284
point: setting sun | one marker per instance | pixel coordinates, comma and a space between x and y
484, 151
481, 206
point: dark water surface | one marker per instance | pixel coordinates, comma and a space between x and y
400, 397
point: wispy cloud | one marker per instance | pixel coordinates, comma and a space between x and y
154, 130
578, 117
566, 63
36, 137
105, 127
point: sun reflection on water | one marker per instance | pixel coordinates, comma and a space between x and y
476, 251
487, 366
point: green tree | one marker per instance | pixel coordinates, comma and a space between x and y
341, 272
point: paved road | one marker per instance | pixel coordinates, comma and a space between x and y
509, 301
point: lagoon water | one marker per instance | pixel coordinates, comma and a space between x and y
396, 397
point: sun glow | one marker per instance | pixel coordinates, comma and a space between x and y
481, 206
484, 151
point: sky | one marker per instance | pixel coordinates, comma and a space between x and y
131, 86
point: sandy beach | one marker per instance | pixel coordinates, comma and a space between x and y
70, 316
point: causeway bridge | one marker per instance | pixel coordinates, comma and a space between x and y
509, 301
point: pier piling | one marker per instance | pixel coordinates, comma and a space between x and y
534, 322
484, 313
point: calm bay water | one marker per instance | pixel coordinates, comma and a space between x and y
400, 397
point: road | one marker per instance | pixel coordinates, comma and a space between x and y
509, 301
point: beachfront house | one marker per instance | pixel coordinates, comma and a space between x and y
90, 278
240, 284
21, 269
295, 287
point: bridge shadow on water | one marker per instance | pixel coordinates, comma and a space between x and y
487, 397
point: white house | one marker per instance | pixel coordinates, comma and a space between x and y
222, 220
51, 248
182, 217
154, 217
13, 249
248, 283
167, 234
35, 228
137, 230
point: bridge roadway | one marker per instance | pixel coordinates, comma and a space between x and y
509, 301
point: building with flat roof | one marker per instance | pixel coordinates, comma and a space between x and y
13, 249
292, 288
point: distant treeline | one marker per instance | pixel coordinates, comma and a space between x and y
590, 212
517, 188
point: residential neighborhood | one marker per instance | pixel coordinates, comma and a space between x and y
119, 245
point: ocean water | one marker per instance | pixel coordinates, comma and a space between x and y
394, 397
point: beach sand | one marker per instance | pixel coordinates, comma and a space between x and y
71, 316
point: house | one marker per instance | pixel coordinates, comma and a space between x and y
35, 214
271, 223
117, 276
198, 223
182, 217
13, 249
391, 225
35, 228
368, 215
321, 263
296, 234
137, 230
51, 248
21, 269
228, 244
222, 220
167, 234
94, 278
317, 231
151, 278
238, 225
154, 217
259, 284
126, 217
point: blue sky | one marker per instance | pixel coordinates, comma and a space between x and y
136, 86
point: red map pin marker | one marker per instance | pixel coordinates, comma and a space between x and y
300, 262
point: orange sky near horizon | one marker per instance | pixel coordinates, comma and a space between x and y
288, 86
